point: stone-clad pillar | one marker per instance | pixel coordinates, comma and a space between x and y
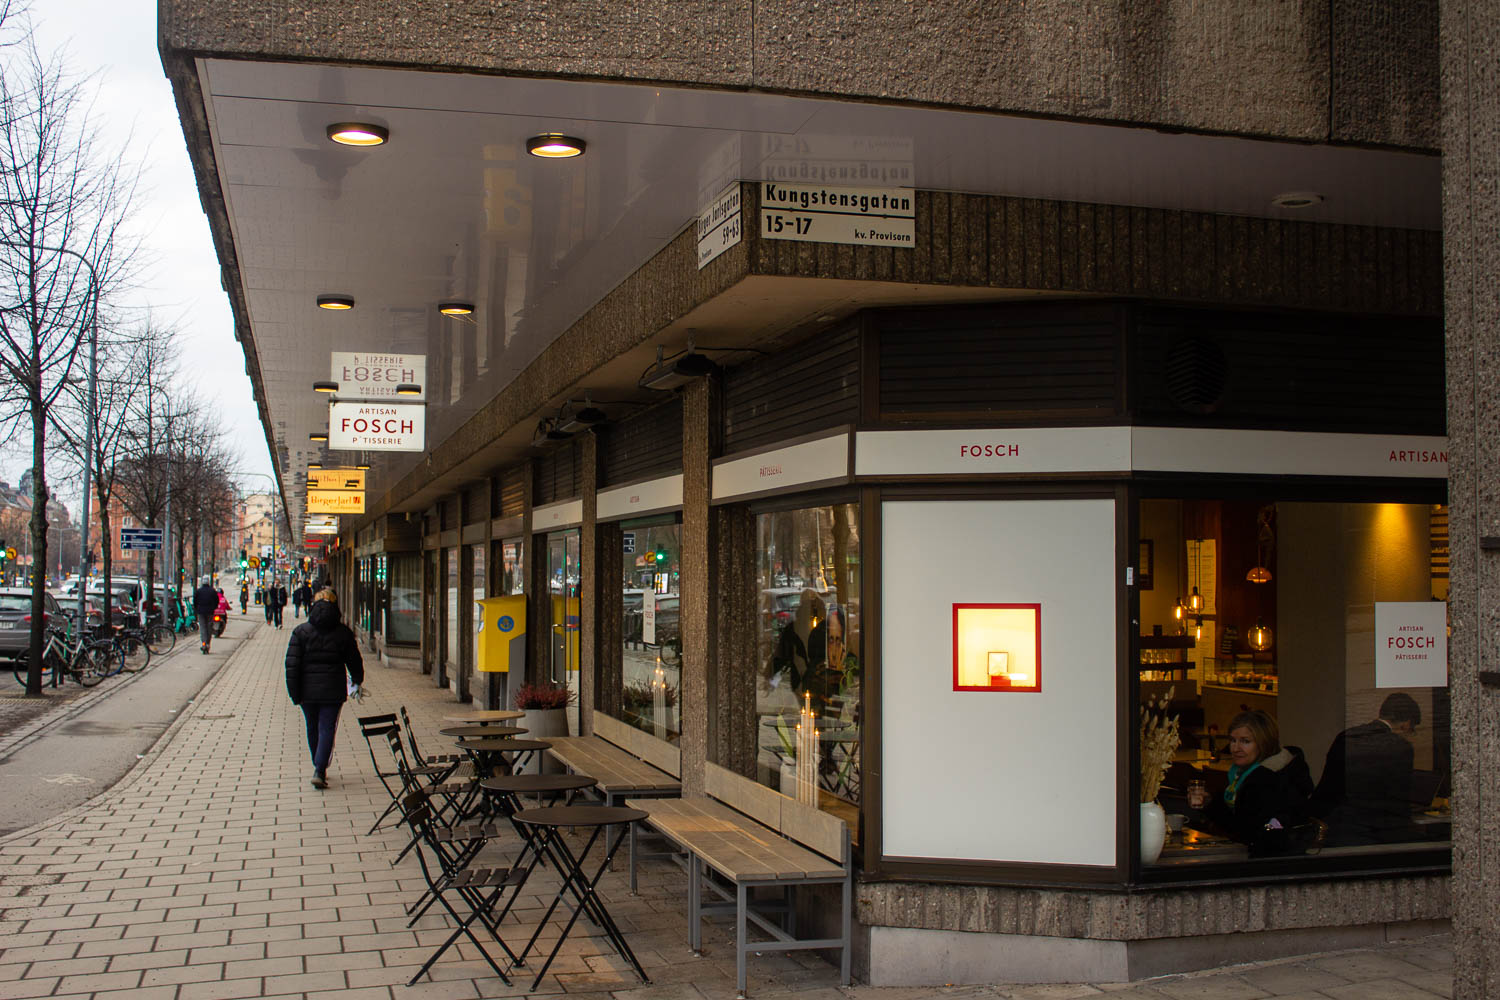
588, 580
1470, 37
699, 437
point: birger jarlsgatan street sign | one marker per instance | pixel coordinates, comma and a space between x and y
149, 539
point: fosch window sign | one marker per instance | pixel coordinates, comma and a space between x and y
363, 375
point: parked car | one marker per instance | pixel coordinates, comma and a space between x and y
15, 629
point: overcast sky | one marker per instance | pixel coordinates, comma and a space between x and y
116, 41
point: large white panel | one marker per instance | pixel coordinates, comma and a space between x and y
986, 775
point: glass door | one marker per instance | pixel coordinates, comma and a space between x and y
563, 578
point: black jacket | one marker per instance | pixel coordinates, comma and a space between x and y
320, 652
302, 595
205, 600
1277, 789
276, 597
1365, 792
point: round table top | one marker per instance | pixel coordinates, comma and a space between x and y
505, 744
579, 815
483, 716
527, 784
484, 732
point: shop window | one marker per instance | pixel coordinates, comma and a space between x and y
564, 574
809, 653
475, 595
404, 622
512, 567
651, 661
450, 594
1301, 650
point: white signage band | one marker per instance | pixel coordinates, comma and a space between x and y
1040, 450
363, 375
651, 497
719, 225
377, 426
567, 514
822, 460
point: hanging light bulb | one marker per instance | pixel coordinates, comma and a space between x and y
1259, 637
1178, 611
1195, 601
1197, 629
1259, 574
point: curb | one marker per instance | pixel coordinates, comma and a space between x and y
143, 765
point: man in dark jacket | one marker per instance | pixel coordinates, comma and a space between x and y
276, 602
205, 603
1365, 792
321, 659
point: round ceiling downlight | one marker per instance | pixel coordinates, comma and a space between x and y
358, 133
1297, 199
325, 387
555, 146
455, 308
335, 302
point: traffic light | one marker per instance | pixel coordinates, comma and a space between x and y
244, 561
661, 556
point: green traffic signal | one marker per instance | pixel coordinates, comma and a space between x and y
661, 556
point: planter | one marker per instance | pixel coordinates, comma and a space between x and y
539, 724
1153, 831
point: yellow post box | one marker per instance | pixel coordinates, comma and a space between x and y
502, 634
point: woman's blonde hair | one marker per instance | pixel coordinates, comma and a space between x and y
1263, 730
326, 594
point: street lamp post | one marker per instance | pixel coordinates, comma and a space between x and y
275, 495
166, 551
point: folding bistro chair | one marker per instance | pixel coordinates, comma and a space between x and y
371, 727
455, 797
452, 847
461, 763
479, 888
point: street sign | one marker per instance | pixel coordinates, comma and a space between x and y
148, 539
377, 426
335, 502
627, 539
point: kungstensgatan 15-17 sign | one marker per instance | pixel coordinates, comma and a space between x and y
377, 426
821, 213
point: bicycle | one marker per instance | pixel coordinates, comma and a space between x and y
86, 662
132, 652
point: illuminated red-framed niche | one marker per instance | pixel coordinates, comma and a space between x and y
997, 647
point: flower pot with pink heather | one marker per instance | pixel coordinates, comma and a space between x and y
546, 714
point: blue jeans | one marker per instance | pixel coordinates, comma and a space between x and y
322, 723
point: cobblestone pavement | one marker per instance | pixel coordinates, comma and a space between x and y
213, 871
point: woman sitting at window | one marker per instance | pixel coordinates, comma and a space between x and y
1264, 806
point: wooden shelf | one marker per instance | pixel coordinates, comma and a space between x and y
1167, 642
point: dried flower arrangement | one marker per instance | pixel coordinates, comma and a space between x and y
640, 695
542, 695
1159, 740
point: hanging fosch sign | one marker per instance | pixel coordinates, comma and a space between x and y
377, 426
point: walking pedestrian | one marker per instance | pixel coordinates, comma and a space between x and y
323, 667
303, 595
205, 602
277, 602
265, 602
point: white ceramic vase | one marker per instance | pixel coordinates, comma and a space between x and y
1153, 831
789, 777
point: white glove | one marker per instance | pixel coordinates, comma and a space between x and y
357, 693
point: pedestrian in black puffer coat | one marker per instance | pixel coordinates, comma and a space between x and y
321, 654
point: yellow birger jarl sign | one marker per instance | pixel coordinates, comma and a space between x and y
335, 502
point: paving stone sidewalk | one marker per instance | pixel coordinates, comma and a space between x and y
214, 871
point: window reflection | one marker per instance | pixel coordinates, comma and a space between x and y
651, 662
807, 576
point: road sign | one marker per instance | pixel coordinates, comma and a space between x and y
149, 539
627, 539
10, 554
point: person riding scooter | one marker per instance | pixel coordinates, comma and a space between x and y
221, 615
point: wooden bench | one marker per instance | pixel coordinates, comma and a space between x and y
623, 760
753, 837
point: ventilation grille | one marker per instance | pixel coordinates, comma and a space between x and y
1197, 373
509, 496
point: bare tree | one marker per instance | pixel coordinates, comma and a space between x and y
141, 471
111, 411
62, 251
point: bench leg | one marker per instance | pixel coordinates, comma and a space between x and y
633, 887
741, 947
847, 929
695, 902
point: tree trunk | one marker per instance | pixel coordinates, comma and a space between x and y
103, 543
38, 542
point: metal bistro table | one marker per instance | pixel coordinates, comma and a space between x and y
549, 823
505, 790
482, 731
489, 754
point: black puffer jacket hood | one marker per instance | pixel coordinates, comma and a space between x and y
319, 655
